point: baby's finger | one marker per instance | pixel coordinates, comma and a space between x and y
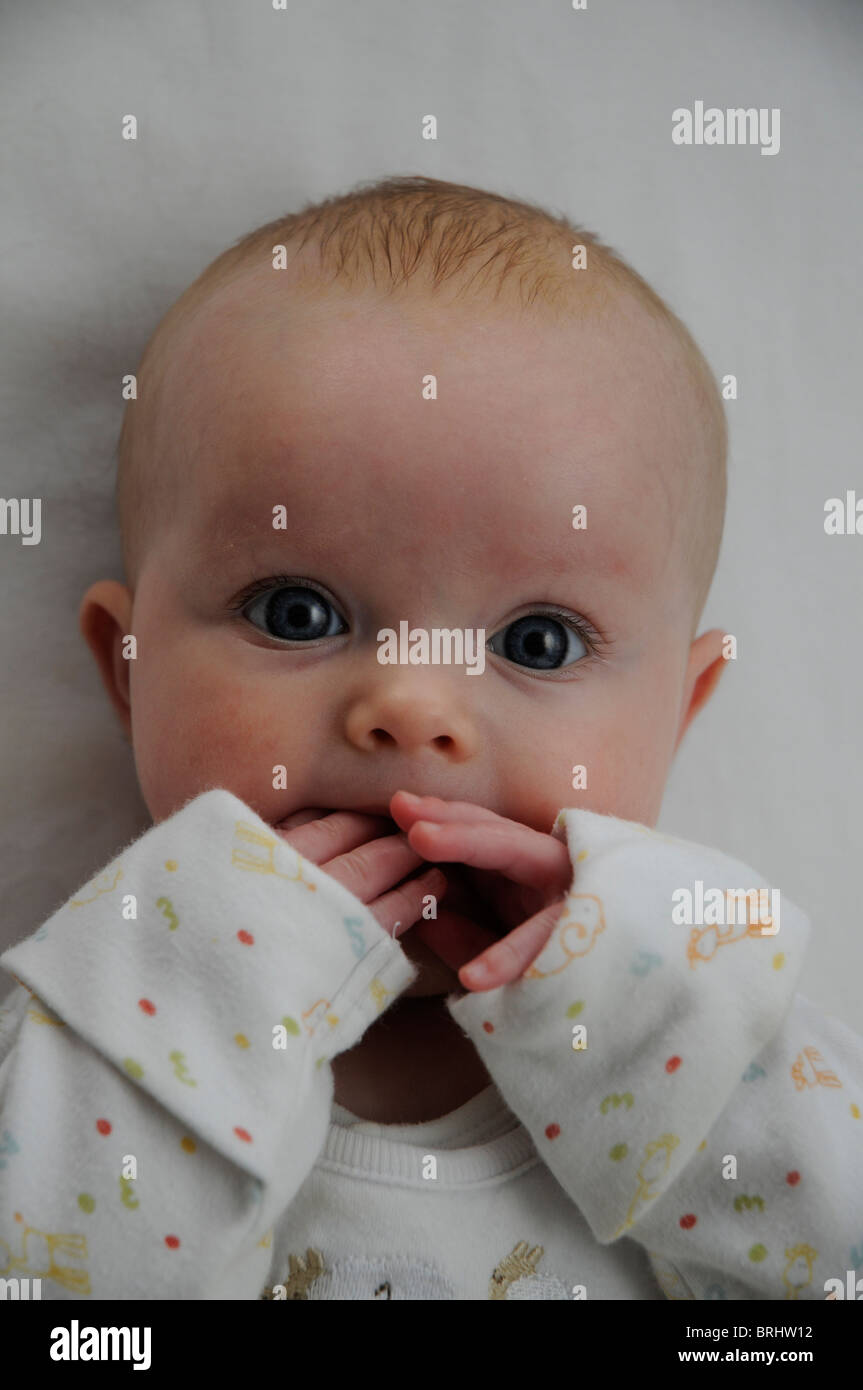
453, 938
405, 809
301, 818
508, 958
370, 870
526, 856
398, 910
335, 834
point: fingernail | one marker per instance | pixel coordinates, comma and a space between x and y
476, 972
410, 796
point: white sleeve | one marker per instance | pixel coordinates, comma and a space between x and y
706, 1111
165, 1085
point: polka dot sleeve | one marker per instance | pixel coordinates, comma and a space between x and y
679, 1088
164, 1078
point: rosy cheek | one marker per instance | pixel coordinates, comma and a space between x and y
194, 734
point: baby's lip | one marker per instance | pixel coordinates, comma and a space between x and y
380, 809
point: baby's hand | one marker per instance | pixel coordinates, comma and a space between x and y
356, 850
506, 853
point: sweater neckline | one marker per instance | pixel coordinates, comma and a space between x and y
478, 1142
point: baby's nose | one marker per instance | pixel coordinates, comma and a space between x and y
412, 721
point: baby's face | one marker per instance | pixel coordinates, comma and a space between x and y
455, 513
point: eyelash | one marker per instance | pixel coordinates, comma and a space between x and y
277, 581
596, 644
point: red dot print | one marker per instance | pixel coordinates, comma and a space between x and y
246, 938
687, 1222
243, 1134
146, 1007
552, 1131
489, 1027
792, 1178
103, 1126
172, 1242
672, 1064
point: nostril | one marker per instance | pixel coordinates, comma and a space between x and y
382, 737
443, 742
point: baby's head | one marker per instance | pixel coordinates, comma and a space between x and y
442, 504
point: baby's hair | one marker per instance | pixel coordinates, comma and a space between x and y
414, 231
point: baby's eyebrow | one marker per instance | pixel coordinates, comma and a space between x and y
597, 553
232, 534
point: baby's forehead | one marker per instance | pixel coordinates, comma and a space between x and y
363, 491
479, 435
470, 374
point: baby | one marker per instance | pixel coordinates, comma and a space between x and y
390, 1001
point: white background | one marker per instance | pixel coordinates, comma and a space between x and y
244, 114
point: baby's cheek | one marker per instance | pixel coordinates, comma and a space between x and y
610, 768
630, 774
197, 732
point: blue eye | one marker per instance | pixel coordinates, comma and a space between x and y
540, 642
295, 614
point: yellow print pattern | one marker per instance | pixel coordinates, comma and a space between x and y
256, 852
40, 1253
797, 1273
654, 1166
810, 1069
704, 942
574, 935
104, 884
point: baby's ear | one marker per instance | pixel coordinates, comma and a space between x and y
705, 666
105, 620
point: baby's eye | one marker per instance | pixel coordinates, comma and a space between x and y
539, 641
295, 614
